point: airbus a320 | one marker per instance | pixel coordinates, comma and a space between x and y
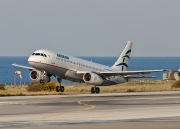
46, 63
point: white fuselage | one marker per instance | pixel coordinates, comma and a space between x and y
66, 67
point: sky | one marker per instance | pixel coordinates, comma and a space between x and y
90, 27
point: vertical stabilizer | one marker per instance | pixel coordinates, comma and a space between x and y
123, 60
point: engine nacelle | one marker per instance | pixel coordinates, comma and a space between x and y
92, 78
36, 76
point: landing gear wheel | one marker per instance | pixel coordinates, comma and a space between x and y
62, 88
92, 90
57, 88
97, 90
41, 80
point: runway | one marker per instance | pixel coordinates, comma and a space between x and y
126, 110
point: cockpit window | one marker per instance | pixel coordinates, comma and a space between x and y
37, 54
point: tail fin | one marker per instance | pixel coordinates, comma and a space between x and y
123, 60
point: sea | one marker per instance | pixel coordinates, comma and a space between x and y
8, 77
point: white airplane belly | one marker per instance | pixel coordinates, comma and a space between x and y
71, 74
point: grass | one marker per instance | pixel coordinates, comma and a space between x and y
133, 86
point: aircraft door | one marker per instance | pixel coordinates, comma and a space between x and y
53, 59
80, 66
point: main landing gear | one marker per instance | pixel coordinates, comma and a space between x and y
59, 88
95, 90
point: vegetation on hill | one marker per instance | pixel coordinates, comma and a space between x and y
2, 87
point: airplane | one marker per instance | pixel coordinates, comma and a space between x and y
46, 63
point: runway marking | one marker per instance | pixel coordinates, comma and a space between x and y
89, 107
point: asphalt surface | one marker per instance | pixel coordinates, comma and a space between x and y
119, 110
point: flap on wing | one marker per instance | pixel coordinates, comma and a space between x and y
21, 66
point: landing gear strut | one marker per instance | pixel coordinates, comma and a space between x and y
59, 88
95, 90
42, 77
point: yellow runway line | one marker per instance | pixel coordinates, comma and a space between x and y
88, 107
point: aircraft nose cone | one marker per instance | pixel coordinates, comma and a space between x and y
31, 60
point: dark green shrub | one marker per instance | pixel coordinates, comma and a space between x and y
2, 87
50, 86
36, 86
176, 84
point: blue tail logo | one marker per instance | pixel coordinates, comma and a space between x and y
124, 64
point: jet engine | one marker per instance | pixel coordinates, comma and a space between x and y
92, 78
36, 76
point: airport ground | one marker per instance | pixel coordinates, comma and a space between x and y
146, 110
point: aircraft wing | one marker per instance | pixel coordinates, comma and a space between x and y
21, 66
126, 74
129, 76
